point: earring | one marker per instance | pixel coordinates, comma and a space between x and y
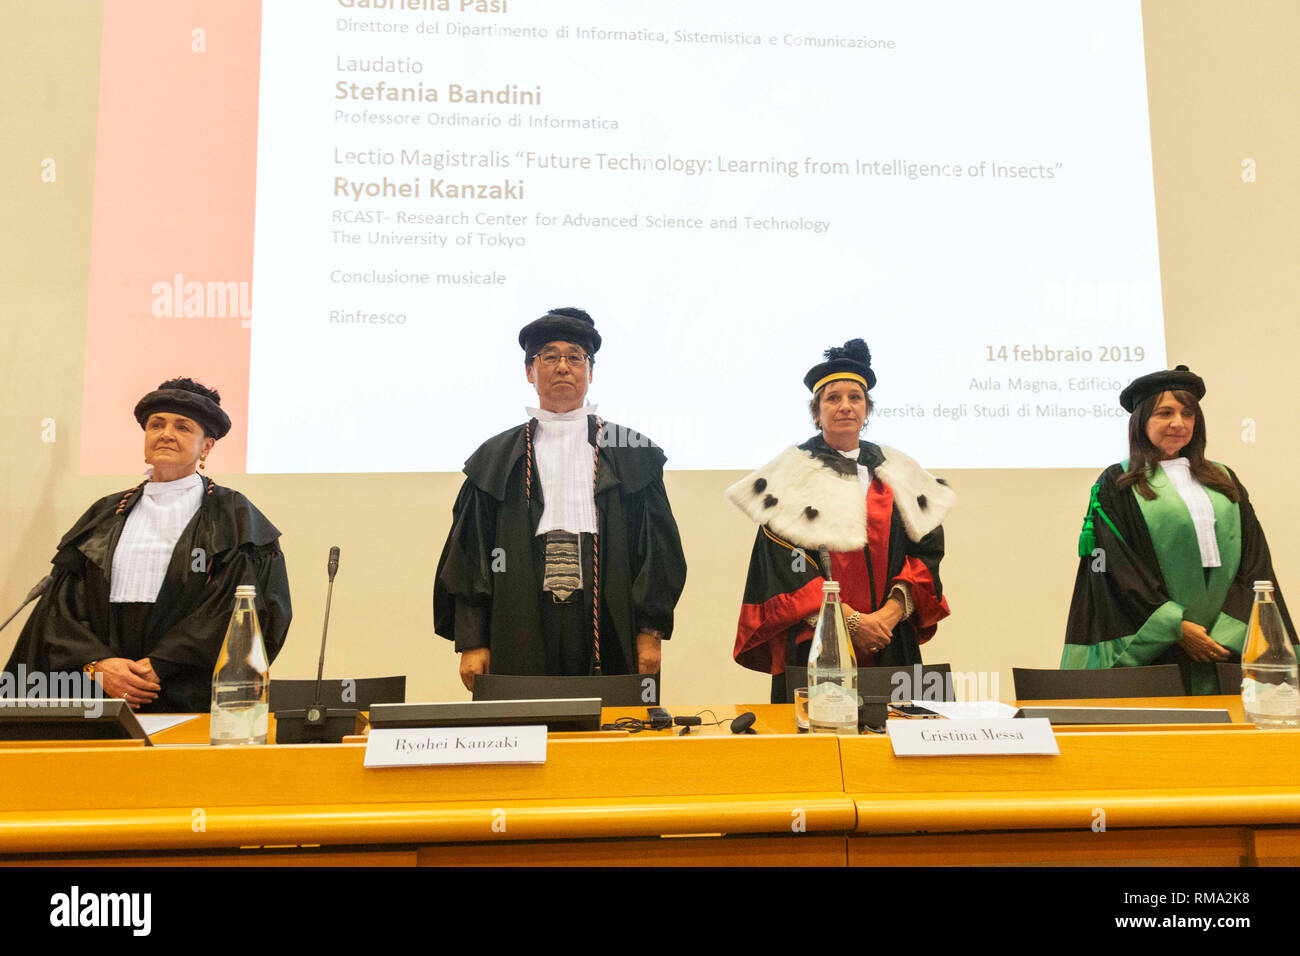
202, 460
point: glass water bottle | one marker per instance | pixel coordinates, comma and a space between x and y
1270, 685
832, 670
241, 680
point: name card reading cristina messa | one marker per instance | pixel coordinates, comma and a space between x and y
948, 738
441, 746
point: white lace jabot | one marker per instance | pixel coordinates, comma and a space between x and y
565, 468
152, 529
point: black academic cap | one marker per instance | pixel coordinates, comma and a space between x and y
1178, 379
560, 325
181, 401
852, 362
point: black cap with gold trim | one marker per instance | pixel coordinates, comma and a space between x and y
851, 362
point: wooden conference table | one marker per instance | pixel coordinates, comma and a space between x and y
1210, 795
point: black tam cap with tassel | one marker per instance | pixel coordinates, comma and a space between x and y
852, 361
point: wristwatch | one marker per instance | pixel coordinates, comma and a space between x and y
89, 668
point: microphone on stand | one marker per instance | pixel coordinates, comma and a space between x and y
315, 716
317, 723
32, 595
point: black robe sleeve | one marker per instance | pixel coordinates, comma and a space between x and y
186, 652
658, 562
68, 628
59, 635
920, 574
782, 587
1256, 565
196, 638
462, 591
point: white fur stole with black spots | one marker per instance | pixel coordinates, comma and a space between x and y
810, 504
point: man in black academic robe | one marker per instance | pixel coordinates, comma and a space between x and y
489, 596
227, 543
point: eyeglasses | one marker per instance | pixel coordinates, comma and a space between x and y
552, 359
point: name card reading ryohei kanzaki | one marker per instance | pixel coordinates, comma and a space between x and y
441, 746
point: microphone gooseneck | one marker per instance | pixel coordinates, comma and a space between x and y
332, 568
37, 590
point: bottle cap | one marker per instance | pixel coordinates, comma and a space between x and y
245, 590
830, 587
1263, 585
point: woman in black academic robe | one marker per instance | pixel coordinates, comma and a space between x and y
1149, 588
159, 655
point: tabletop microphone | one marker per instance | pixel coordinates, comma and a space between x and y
317, 723
331, 568
32, 595
824, 554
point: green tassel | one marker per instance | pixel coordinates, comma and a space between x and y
1087, 539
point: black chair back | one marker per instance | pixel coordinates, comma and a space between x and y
899, 684
1159, 680
1229, 677
619, 690
358, 693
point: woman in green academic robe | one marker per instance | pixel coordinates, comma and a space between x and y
1170, 549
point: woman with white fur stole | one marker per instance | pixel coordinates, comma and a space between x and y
876, 511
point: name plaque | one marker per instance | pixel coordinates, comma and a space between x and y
446, 746
963, 738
